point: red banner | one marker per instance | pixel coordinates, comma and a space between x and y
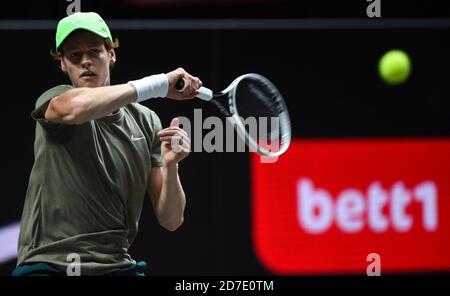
325, 205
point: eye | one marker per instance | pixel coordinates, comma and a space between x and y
73, 55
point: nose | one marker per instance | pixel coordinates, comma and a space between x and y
86, 60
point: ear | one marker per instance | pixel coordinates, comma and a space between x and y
112, 57
63, 65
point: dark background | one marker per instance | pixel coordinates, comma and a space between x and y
163, 9
328, 78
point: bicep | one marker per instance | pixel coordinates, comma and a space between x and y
155, 185
51, 111
42, 109
43, 115
64, 108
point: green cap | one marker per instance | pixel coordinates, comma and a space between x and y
89, 21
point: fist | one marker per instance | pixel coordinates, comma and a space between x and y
191, 85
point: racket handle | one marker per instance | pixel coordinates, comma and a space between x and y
204, 93
180, 84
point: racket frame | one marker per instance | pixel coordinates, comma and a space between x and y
233, 115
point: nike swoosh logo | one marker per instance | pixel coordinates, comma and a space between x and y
134, 139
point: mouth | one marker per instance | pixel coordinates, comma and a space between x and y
87, 74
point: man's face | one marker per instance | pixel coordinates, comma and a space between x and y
86, 60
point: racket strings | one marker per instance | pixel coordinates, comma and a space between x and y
266, 97
262, 101
221, 108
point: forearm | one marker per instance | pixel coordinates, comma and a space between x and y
102, 101
172, 200
83, 104
80, 105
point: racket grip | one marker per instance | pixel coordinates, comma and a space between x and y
205, 94
180, 84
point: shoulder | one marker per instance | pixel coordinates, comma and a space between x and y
51, 93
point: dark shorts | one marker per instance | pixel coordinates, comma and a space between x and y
44, 269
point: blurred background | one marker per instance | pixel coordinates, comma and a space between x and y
350, 129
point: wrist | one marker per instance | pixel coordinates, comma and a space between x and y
170, 169
171, 166
153, 86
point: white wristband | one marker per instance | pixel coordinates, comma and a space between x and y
154, 86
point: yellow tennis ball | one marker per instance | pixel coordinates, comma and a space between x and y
394, 66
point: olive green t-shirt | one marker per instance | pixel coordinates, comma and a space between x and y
87, 187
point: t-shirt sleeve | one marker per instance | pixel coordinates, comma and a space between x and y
155, 149
38, 113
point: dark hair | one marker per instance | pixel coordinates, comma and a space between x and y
57, 54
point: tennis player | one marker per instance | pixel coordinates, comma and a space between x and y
98, 153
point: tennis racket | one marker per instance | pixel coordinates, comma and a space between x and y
256, 109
